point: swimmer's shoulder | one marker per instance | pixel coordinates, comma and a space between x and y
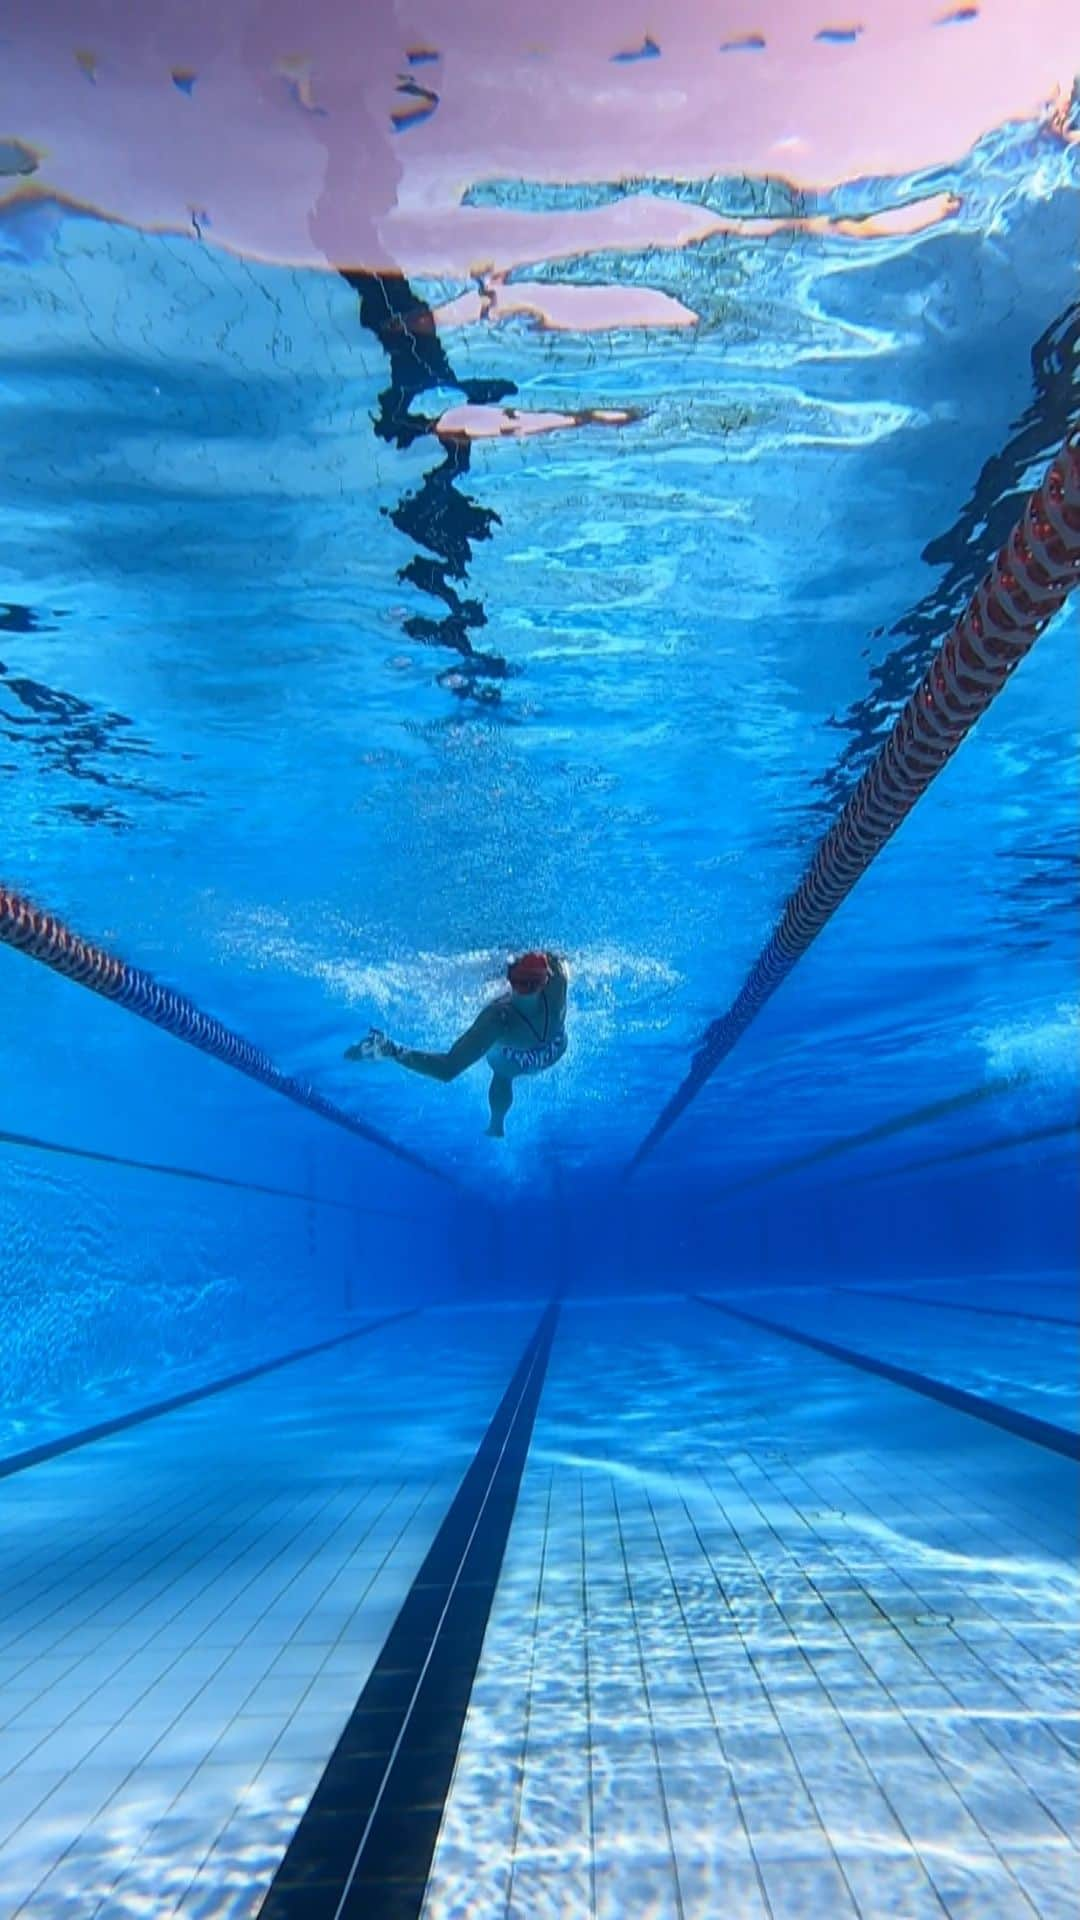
499, 1013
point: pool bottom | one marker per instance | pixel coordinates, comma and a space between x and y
771, 1636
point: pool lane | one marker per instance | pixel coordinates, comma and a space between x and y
191, 1608
773, 1637
770, 1637
67, 1442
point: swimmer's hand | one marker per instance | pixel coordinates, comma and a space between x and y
374, 1046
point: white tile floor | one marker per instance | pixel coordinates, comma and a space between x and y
190, 1609
773, 1638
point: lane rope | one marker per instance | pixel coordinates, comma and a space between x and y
1028, 583
41, 936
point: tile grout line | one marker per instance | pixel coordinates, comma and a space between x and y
519, 1793
879, 1682
329, 1649
752, 1659
165, 1670
918, 1656
588, 1702
711, 1710
635, 1622
207, 1758
196, 1517
1002, 1630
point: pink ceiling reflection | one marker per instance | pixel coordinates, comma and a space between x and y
320, 133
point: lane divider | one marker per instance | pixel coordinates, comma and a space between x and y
43, 937
1026, 586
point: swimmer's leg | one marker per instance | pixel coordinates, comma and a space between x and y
500, 1100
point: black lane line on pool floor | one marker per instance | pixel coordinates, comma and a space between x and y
960, 1306
1024, 1425
363, 1849
36, 1145
67, 1442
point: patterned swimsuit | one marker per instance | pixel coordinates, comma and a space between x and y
511, 1061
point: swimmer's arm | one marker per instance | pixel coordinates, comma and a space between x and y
464, 1053
560, 977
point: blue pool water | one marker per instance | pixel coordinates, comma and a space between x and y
694, 1529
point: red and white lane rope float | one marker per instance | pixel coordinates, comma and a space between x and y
1029, 582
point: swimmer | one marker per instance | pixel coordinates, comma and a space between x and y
523, 1031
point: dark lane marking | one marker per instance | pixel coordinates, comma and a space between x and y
363, 1848
193, 1173
870, 1136
1025, 1425
1003, 1143
66, 1443
961, 1306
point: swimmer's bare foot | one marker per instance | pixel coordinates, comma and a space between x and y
496, 1131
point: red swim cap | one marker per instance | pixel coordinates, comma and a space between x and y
529, 973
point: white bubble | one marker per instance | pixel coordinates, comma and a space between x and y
1044, 1048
